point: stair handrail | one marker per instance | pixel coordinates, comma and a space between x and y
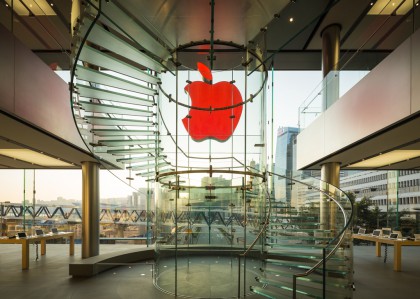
263, 229
341, 235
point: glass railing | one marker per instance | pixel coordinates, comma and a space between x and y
116, 225
307, 245
203, 224
327, 92
355, 64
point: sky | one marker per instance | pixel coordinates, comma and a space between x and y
291, 88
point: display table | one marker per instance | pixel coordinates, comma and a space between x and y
397, 243
42, 240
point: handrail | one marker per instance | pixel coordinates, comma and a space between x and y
325, 257
266, 221
263, 229
341, 234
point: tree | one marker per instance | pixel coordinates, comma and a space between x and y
367, 215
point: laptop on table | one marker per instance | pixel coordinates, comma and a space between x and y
393, 236
377, 233
386, 232
361, 231
21, 235
39, 232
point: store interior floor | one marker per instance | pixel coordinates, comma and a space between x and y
48, 277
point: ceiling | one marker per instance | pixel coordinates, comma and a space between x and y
366, 39
16, 134
403, 135
296, 45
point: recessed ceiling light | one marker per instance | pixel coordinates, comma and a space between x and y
32, 7
386, 7
387, 159
291, 20
33, 157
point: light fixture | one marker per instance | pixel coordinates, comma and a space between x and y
388, 7
387, 159
33, 157
291, 19
32, 7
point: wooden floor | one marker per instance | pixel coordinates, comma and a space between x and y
48, 277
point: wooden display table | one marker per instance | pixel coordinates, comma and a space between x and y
397, 243
42, 240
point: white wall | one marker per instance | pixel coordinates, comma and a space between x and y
389, 93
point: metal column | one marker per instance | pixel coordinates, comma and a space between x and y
90, 209
330, 64
330, 173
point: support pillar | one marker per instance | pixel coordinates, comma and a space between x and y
330, 58
90, 209
330, 173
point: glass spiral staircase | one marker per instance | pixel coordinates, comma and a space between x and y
211, 198
308, 248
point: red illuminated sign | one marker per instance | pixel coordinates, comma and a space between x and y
215, 124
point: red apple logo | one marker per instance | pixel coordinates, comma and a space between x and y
214, 124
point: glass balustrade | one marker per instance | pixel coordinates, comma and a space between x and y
309, 224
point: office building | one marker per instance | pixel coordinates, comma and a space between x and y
285, 159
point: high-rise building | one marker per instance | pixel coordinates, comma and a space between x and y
285, 160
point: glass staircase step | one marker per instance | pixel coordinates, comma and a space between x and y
116, 132
111, 143
314, 255
335, 264
105, 39
147, 174
112, 109
287, 275
338, 270
129, 26
106, 121
295, 245
94, 76
136, 159
106, 61
300, 292
112, 96
148, 166
304, 289
132, 151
